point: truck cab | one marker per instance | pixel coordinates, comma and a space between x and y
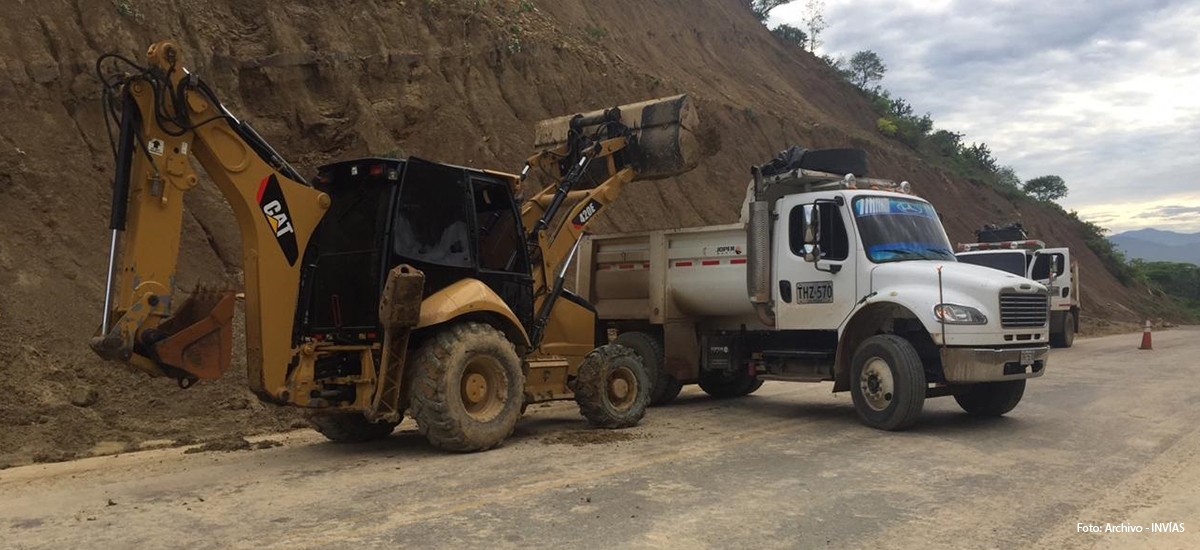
1052, 267
826, 277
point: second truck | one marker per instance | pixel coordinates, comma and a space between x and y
828, 276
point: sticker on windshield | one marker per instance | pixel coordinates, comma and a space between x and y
884, 206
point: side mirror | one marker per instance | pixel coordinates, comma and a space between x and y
812, 233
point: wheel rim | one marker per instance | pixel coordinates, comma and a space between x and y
621, 387
482, 387
876, 383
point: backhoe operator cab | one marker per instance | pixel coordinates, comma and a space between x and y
449, 222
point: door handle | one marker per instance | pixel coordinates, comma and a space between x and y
785, 291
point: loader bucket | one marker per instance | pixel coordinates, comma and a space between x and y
663, 140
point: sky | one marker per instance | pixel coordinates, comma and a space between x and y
1105, 93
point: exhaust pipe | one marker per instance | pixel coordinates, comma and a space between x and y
758, 252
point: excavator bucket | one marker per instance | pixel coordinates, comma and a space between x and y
200, 341
662, 142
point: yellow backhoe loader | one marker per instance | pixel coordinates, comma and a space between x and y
381, 287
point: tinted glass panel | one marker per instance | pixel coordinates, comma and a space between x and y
432, 223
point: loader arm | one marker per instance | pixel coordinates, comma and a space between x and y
169, 117
648, 140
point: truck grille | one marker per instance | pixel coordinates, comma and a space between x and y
1024, 310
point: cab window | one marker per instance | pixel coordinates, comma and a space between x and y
834, 241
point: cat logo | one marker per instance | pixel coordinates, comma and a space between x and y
274, 207
586, 214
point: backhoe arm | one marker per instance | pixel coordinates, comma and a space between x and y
168, 117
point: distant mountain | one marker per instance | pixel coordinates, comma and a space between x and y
1155, 245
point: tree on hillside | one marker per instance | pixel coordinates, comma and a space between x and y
866, 68
1046, 188
791, 35
980, 155
1007, 177
814, 21
946, 142
762, 8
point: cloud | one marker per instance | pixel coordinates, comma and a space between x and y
1177, 211
1105, 93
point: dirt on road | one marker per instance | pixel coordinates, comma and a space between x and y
1107, 436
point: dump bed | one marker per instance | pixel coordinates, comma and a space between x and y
656, 275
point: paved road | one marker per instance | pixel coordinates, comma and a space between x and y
1109, 435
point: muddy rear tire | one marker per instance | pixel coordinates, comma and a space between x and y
612, 387
467, 388
349, 427
991, 398
663, 387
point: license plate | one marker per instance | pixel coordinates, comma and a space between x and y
1026, 357
820, 292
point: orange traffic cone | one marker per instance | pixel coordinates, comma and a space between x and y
1146, 337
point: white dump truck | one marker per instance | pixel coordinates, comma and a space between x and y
828, 276
1052, 267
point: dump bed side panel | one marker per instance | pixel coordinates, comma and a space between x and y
661, 275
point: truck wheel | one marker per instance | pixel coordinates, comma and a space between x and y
612, 387
991, 398
721, 384
467, 388
349, 427
887, 382
1064, 337
663, 387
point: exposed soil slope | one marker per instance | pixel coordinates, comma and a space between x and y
461, 81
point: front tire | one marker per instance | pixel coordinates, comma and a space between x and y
467, 388
349, 427
991, 398
612, 387
663, 387
887, 382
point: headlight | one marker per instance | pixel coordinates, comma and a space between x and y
954, 314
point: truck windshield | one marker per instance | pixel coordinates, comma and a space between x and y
895, 229
1011, 262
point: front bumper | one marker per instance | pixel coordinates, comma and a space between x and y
969, 365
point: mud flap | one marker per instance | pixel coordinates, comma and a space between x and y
200, 336
399, 312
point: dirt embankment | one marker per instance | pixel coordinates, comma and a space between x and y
452, 80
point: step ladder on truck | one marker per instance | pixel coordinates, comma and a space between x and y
1052, 267
828, 276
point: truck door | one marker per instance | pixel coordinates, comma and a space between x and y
1060, 289
813, 296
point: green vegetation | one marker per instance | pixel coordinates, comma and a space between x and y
596, 33
791, 35
524, 6
1178, 280
1046, 188
761, 8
